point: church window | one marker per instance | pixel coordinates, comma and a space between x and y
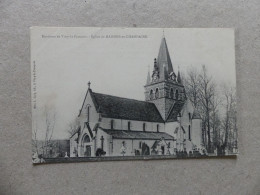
144, 126
156, 93
189, 133
177, 94
189, 116
129, 125
157, 127
140, 145
151, 94
112, 124
88, 112
171, 93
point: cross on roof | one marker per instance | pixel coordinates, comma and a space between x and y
163, 33
89, 83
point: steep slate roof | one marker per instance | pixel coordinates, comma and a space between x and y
164, 59
177, 107
77, 131
123, 108
144, 135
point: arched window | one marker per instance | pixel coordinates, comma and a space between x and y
129, 125
151, 94
112, 124
177, 94
86, 139
88, 113
140, 145
189, 133
171, 93
144, 126
189, 116
158, 127
156, 93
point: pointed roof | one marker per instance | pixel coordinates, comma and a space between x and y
148, 81
175, 110
123, 108
179, 77
164, 59
165, 73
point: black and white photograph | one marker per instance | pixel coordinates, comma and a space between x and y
132, 93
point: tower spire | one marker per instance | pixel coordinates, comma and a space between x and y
148, 81
163, 83
164, 59
179, 75
165, 75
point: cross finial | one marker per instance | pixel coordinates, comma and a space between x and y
163, 34
89, 83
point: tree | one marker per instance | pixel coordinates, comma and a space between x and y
217, 110
192, 81
215, 118
50, 119
228, 133
201, 91
206, 94
73, 127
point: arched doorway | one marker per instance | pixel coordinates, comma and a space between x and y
86, 146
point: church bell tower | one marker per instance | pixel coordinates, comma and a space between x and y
164, 87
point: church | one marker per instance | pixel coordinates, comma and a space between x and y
165, 123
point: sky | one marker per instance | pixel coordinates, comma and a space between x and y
116, 62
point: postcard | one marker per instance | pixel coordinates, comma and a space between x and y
132, 93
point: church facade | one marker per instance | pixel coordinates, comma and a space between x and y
164, 124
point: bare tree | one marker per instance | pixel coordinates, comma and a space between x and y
200, 90
228, 133
73, 127
206, 94
215, 118
192, 81
217, 110
50, 119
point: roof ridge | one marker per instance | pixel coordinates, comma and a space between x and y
139, 135
132, 130
123, 97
